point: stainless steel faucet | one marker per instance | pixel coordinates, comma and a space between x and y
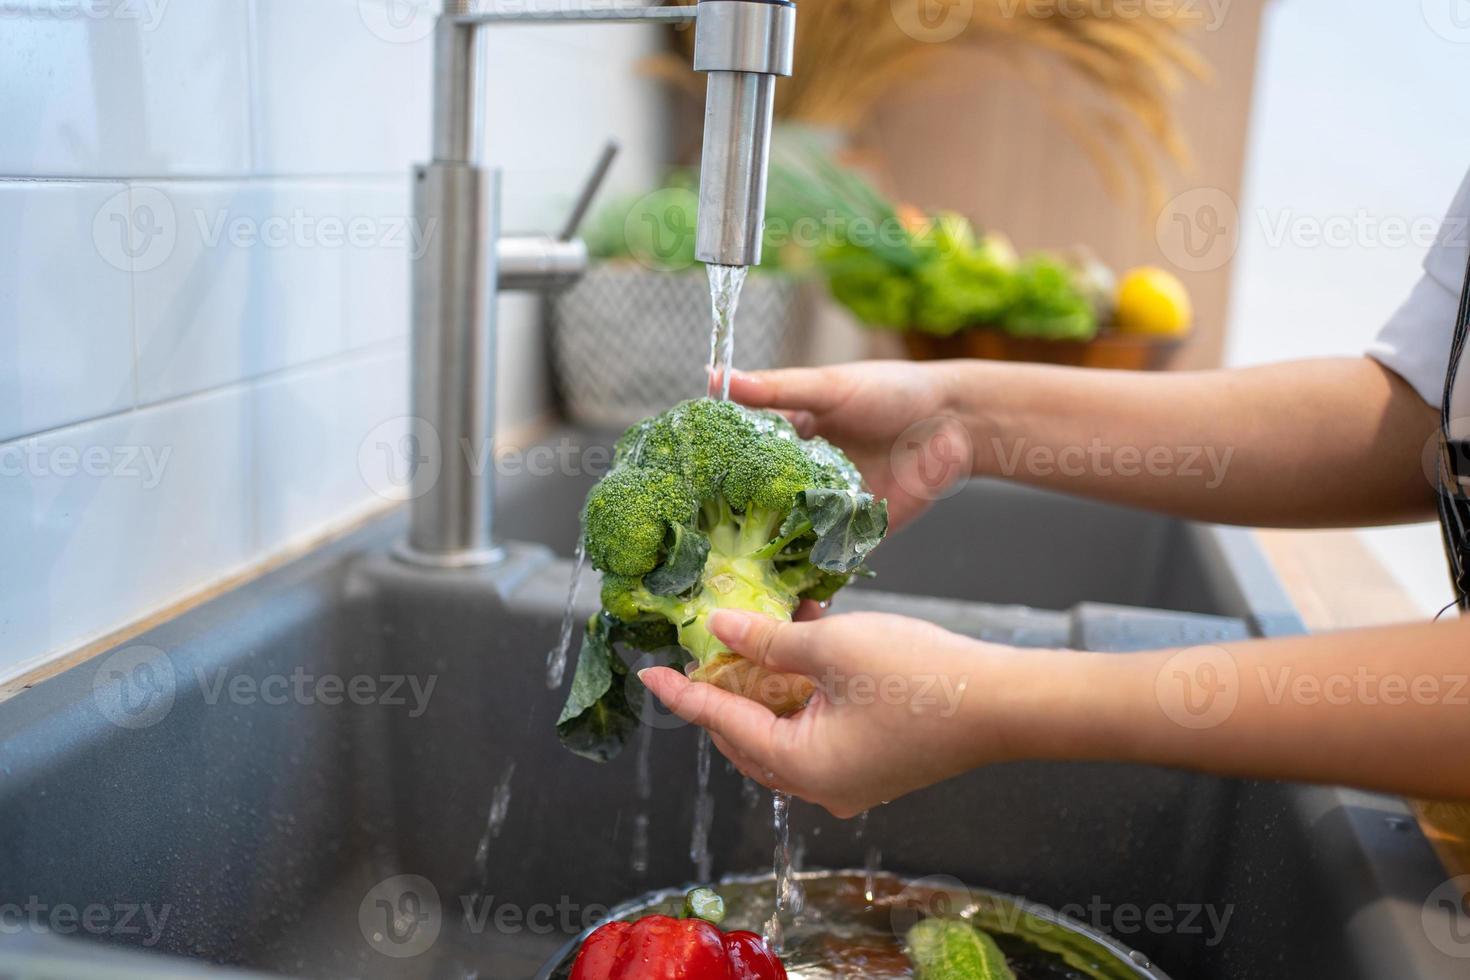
742, 44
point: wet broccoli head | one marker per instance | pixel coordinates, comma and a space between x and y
712, 505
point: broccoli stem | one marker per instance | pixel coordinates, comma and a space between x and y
751, 584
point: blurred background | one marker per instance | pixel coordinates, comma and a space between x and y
206, 236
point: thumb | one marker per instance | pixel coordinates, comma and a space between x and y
770, 643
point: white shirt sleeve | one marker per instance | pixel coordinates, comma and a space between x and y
1415, 342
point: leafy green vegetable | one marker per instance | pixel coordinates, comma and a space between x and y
603, 706
948, 949
708, 506
960, 289
1049, 303
932, 274
877, 292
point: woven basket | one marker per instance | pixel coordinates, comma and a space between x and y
627, 342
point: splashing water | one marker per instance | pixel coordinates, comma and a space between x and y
704, 812
639, 850
725, 283
494, 820
750, 793
643, 775
775, 930
871, 862
556, 657
872, 857
643, 767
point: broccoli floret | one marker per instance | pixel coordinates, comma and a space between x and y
709, 506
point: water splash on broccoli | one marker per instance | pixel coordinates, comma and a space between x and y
708, 506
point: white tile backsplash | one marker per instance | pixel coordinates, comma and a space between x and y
252, 283
556, 94
341, 87
310, 428
66, 353
376, 275
104, 520
204, 255
129, 88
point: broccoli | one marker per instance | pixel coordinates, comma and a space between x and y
709, 506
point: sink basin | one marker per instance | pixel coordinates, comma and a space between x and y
293, 828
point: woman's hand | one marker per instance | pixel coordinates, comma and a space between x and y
898, 706
890, 417
902, 704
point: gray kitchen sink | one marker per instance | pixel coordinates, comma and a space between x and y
218, 777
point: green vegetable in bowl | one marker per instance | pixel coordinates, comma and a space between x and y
948, 949
875, 291
709, 506
961, 288
1048, 304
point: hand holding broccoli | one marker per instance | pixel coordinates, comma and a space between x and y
864, 408
900, 704
709, 506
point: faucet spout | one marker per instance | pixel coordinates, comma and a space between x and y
744, 45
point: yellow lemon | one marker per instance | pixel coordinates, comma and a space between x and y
1153, 301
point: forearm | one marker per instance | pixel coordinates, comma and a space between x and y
1305, 444
1385, 709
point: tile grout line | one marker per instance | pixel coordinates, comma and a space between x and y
133, 314
253, 119
368, 177
360, 355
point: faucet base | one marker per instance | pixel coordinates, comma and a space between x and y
465, 558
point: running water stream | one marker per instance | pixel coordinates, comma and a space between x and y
725, 283
556, 657
704, 812
644, 776
872, 857
494, 820
788, 898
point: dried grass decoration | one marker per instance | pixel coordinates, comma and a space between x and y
1131, 56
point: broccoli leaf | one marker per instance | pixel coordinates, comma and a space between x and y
649, 635
603, 706
681, 570
848, 525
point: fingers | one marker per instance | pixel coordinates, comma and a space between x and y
804, 422
746, 766
774, 645
808, 611
809, 389
742, 723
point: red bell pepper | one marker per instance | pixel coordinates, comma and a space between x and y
661, 947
